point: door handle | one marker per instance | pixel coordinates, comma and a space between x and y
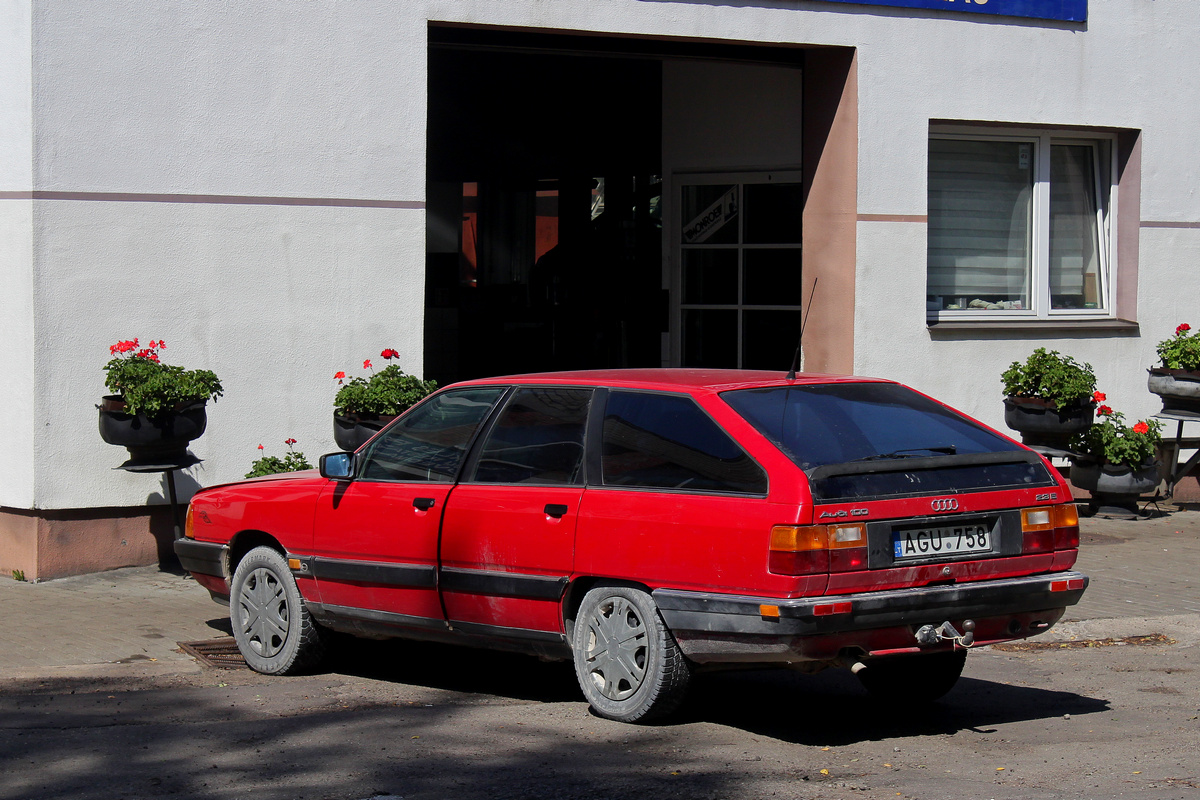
556, 510
423, 503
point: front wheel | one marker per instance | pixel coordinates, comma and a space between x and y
626, 660
904, 680
273, 629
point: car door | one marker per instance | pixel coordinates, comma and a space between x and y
675, 501
508, 535
375, 543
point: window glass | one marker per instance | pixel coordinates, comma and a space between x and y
429, 442
710, 214
769, 339
772, 277
710, 277
537, 439
710, 337
659, 441
1074, 228
980, 215
773, 213
861, 423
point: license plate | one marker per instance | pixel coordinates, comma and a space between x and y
947, 540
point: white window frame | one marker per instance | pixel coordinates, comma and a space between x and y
1105, 146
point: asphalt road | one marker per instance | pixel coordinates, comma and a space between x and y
421, 721
96, 702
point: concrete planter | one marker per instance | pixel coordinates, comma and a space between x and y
352, 431
1179, 390
1115, 489
161, 441
1042, 425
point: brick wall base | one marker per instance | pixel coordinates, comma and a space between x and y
46, 544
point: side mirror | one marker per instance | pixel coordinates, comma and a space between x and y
337, 466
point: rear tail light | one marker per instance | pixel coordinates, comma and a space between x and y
814, 549
1049, 528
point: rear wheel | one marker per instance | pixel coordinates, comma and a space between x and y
626, 660
913, 679
273, 629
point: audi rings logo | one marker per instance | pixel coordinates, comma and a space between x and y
944, 504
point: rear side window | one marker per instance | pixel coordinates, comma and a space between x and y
664, 441
537, 439
429, 442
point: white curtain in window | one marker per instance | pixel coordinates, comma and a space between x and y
980, 218
1074, 229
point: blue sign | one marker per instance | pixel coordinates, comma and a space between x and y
1069, 10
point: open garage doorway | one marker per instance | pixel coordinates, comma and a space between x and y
544, 247
558, 169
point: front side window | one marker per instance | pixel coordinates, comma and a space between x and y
664, 441
537, 439
429, 442
1019, 226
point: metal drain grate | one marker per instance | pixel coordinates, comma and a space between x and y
221, 652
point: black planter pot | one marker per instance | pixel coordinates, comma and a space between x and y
1042, 425
1115, 489
161, 441
351, 431
1179, 390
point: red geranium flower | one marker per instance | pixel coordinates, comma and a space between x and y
367, 364
390, 353
1182, 329
289, 442
260, 447
1141, 427
337, 376
1104, 411
1099, 397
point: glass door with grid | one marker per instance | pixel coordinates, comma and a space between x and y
738, 282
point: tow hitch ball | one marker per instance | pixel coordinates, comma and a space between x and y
933, 634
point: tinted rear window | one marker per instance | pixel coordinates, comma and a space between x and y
859, 440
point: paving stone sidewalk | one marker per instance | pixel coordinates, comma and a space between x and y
1141, 571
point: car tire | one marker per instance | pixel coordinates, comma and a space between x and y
904, 680
273, 628
628, 664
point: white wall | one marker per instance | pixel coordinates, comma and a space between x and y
326, 100
213, 104
16, 241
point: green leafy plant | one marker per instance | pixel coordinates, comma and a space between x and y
292, 461
389, 391
1047, 374
1181, 351
1111, 440
149, 386
18, 575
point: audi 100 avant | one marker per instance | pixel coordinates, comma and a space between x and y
646, 524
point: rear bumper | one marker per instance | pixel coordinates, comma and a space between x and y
730, 628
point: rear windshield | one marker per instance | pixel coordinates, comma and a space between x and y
864, 440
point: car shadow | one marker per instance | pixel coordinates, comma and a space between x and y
829, 708
832, 707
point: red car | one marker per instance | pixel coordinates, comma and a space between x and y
648, 523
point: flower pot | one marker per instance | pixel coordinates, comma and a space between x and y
351, 431
1179, 390
1115, 489
160, 441
1041, 424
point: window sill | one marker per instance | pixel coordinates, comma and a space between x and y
1116, 325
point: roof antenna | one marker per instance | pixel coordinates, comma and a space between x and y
791, 376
